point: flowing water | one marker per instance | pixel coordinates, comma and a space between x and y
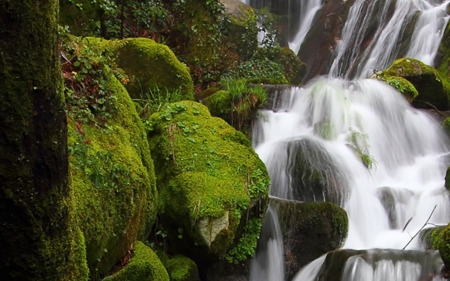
363, 135
373, 35
308, 10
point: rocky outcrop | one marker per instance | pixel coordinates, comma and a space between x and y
113, 180
153, 67
433, 88
144, 265
211, 183
309, 231
311, 174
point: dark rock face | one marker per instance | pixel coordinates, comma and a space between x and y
309, 230
309, 173
318, 48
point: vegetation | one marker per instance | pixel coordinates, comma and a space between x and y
205, 187
39, 236
432, 86
238, 103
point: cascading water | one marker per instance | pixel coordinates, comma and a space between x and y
308, 10
388, 158
387, 32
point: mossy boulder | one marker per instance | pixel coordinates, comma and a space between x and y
113, 181
442, 61
440, 240
293, 68
238, 105
151, 66
402, 85
433, 87
144, 265
211, 183
182, 269
309, 231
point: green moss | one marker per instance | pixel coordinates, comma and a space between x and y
151, 66
431, 85
401, 84
440, 240
444, 51
238, 104
113, 181
38, 232
207, 173
144, 265
182, 269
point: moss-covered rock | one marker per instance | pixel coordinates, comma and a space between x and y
211, 182
432, 86
144, 265
309, 231
402, 85
442, 61
440, 240
182, 269
238, 104
39, 237
112, 179
152, 66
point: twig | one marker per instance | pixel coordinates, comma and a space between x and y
407, 224
420, 228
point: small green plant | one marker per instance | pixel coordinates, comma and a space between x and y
246, 246
85, 68
239, 104
358, 142
153, 100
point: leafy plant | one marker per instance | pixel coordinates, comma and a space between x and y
153, 100
358, 142
86, 86
246, 246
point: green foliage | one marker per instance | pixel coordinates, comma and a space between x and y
246, 246
153, 100
258, 70
86, 89
358, 142
237, 104
400, 84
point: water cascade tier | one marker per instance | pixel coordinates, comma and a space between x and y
354, 142
360, 145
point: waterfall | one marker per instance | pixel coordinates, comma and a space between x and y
381, 160
308, 10
350, 122
373, 35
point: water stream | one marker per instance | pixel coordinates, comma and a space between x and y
373, 142
308, 10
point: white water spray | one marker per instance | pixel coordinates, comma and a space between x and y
366, 120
